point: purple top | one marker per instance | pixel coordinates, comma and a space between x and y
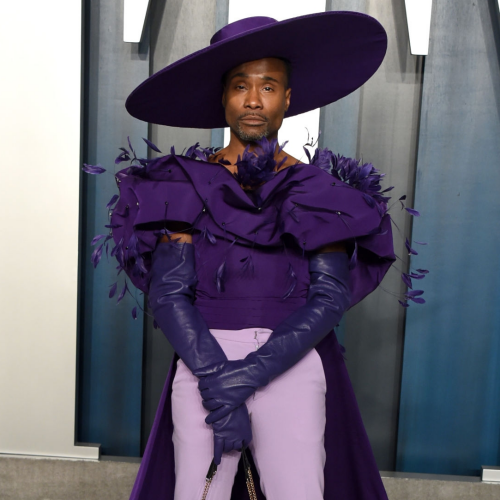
251, 246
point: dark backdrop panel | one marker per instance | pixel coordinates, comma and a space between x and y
177, 29
379, 123
450, 404
110, 363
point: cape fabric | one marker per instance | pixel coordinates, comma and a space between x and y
302, 205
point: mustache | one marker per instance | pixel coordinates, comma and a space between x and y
258, 115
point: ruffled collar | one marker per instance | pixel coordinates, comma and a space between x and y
259, 166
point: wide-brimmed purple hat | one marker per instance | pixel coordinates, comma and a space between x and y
331, 55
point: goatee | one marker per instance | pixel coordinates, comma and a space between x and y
251, 137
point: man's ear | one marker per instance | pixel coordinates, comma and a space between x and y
288, 94
224, 98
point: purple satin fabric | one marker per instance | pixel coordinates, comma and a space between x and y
303, 208
249, 299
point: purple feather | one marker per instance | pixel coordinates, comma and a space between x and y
420, 242
96, 238
402, 198
411, 251
364, 177
155, 325
220, 276
411, 211
93, 169
247, 269
122, 293
323, 159
418, 300
354, 257
151, 145
112, 226
191, 150
257, 167
112, 290
308, 155
130, 146
116, 247
208, 234
406, 280
112, 201
134, 312
414, 293
96, 255
422, 271
417, 276
404, 304
125, 156
290, 275
369, 200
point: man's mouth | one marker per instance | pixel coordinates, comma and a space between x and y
253, 120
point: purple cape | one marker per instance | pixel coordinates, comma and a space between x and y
304, 205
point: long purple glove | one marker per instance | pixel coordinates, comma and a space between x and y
171, 294
227, 384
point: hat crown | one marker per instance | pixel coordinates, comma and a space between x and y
239, 27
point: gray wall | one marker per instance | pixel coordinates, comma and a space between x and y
450, 397
379, 123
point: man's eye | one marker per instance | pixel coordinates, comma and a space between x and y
240, 86
268, 88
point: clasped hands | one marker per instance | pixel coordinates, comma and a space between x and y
226, 385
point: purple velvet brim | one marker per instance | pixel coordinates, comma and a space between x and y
332, 54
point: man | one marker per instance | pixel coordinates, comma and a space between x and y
250, 258
255, 98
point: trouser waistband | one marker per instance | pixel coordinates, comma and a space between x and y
244, 335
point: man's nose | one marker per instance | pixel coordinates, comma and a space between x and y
252, 99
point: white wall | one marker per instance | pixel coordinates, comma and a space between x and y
39, 197
294, 129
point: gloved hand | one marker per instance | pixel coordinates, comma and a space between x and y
227, 384
231, 432
171, 293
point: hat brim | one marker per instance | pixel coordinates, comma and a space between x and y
331, 54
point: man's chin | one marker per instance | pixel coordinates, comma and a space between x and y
252, 136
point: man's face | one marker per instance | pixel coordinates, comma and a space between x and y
255, 98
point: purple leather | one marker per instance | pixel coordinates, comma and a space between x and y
226, 385
172, 285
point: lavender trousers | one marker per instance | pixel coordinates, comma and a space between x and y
288, 419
